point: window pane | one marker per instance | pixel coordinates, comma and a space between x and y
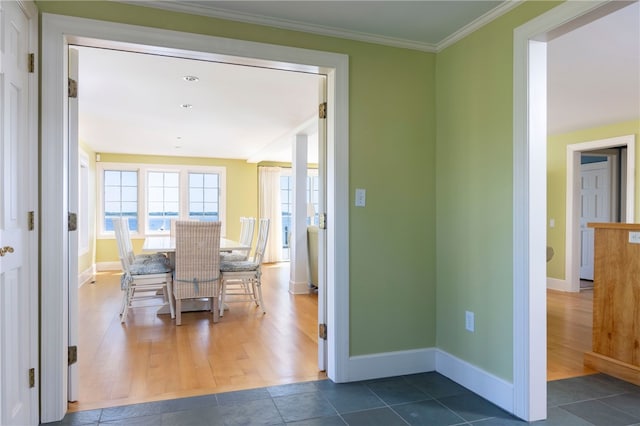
129, 193
111, 178
211, 195
196, 179
130, 178
156, 207
155, 179
171, 179
195, 208
211, 180
111, 193
172, 209
196, 195
171, 194
156, 194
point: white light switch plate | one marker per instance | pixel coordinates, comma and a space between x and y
361, 197
634, 237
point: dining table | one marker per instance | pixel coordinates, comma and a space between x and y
167, 244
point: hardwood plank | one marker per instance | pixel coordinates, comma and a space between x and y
569, 319
150, 359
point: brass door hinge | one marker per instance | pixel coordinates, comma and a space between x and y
322, 110
73, 88
72, 221
31, 63
32, 377
322, 221
322, 331
31, 221
72, 354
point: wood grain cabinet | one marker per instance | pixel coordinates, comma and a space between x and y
616, 301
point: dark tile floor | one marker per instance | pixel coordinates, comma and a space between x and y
419, 399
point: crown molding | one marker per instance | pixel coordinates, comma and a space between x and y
478, 23
213, 12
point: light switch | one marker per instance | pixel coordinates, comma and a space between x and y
361, 197
634, 237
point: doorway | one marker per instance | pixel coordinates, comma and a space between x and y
100, 77
57, 33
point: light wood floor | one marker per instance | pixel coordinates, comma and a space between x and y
569, 330
150, 359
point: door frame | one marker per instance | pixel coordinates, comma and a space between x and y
57, 32
530, 196
572, 245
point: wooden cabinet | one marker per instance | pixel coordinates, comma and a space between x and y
616, 301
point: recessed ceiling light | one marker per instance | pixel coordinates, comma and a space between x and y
187, 106
190, 78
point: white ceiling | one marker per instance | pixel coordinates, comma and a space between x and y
130, 103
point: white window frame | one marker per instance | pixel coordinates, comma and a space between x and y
143, 170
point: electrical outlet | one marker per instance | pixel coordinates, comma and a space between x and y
361, 197
469, 321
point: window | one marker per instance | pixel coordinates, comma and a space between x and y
163, 200
286, 203
204, 190
120, 198
151, 195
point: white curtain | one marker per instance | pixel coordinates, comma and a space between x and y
269, 206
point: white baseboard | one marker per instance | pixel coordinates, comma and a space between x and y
490, 387
108, 266
389, 364
301, 287
86, 276
558, 284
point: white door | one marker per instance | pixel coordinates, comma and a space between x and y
17, 319
595, 206
322, 234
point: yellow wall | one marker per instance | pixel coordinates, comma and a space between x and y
242, 193
557, 183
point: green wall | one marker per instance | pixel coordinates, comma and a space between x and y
474, 169
557, 183
242, 193
392, 279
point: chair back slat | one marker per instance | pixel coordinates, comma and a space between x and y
261, 244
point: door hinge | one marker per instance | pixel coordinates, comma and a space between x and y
322, 221
322, 110
32, 377
72, 221
72, 352
322, 331
31, 221
31, 62
73, 88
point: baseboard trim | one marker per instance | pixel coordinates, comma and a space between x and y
388, 364
301, 287
558, 284
86, 275
490, 387
108, 266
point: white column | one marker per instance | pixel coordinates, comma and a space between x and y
298, 280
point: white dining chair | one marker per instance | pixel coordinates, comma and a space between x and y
197, 264
142, 279
247, 227
241, 280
